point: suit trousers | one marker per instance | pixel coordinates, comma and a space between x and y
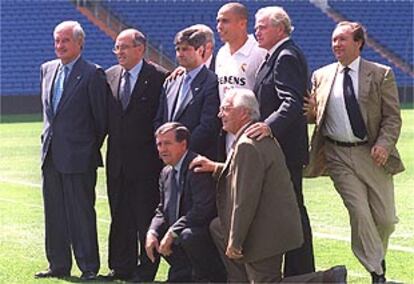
132, 205
70, 218
367, 191
301, 260
267, 270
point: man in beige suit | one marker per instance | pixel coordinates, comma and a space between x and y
258, 215
354, 142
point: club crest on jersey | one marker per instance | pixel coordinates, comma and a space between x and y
243, 67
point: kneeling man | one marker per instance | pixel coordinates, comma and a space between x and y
258, 215
179, 230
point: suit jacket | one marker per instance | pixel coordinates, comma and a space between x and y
131, 142
196, 199
75, 133
380, 108
256, 202
280, 86
198, 113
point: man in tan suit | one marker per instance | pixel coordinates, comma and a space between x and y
258, 215
355, 106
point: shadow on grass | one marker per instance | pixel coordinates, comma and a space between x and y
18, 118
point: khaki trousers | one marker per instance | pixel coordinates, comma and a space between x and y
267, 270
367, 191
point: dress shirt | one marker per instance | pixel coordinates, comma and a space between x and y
337, 125
133, 75
208, 61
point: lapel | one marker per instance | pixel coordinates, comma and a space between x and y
364, 83
74, 78
195, 87
232, 150
268, 66
325, 90
114, 82
171, 92
49, 81
140, 85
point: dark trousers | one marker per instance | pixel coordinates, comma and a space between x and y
195, 258
70, 219
132, 205
300, 260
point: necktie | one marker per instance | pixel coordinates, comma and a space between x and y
126, 90
172, 203
352, 107
264, 62
185, 87
58, 86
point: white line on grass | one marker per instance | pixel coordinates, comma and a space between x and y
315, 234
345, 239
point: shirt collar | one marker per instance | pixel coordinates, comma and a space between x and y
70, 64
177, 166
276, 46
134, 71
247, 47
193, 73
354, 65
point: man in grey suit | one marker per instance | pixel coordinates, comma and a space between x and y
74, 97
258, 215
356, 109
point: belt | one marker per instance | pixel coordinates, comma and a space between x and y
345, 144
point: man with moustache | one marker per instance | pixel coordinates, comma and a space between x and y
133, 165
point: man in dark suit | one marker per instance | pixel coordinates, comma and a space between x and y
258, 216
179, 229
133, 165
280, 86
74, 97
192, 98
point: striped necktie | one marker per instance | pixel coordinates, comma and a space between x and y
59, 86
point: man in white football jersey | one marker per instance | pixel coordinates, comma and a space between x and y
240, 57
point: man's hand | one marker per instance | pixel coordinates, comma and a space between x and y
233, 253
151, 245
379, 154
166, 244
201, 164
175, 73
258, 130
309, 107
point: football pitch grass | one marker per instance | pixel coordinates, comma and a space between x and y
22, 224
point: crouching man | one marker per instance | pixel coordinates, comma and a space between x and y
179, 231
258, 215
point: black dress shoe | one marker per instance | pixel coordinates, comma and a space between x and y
378, 278
135, 278
88, 276
52, 273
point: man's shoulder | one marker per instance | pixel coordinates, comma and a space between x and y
50, 63
327, 69
156, 68
375, 66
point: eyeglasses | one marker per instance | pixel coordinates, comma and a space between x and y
120, 48
226, 108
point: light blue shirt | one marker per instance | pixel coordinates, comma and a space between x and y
133, 74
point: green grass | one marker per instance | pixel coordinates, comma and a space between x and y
22, 228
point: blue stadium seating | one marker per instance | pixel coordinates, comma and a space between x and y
161, 19
27, 26
27, 41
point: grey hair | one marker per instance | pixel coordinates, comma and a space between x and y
245, 98
277, 15
78, 33
138, 37
207, 31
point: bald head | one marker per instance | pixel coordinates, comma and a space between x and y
236, 9
130, 48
